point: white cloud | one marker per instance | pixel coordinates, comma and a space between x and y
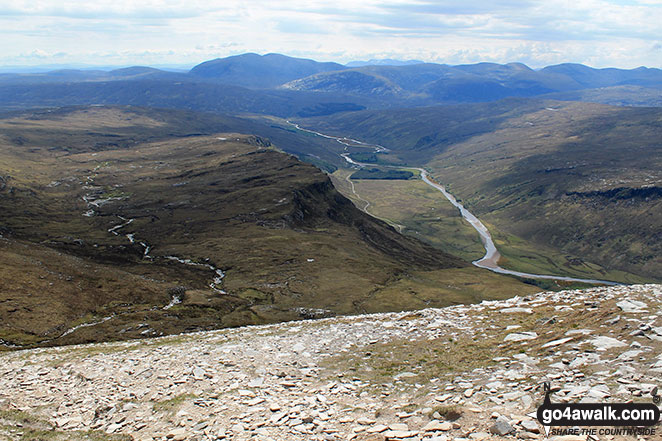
538, 32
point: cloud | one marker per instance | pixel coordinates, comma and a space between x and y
603, 32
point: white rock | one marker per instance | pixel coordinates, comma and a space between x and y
603, 343
554, 343
633, 306
520, 336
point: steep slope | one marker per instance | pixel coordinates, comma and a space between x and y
116, 220
582, 178
260, 71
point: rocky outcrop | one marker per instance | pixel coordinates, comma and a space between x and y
621, 193
352, 377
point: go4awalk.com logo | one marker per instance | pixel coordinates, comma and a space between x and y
636, 419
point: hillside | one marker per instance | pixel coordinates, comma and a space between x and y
121, 223
259, 71
461, 372
429, 83
187, 95
615, 96
580, 178
279, 85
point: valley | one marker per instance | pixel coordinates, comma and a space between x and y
540, 174
218, 224
140, 216
491, 258
112, 232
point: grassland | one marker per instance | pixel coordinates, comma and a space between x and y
445, 357
284, 238
421, 210
17, 425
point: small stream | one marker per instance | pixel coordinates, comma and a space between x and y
93, 202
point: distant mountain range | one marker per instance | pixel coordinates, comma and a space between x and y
286, 86
383, 62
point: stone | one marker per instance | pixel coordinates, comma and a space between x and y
256, 382
554, 343
377, 429
521, 336
436, 425
502, 426
604, 343
632, 306
176, 434
198, 373
530, 426
399, 434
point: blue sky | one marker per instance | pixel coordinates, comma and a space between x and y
599, 33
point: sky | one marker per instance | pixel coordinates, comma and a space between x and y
598, 33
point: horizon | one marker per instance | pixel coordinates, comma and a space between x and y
46, 68
598, 33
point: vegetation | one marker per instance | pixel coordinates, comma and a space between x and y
364, 157
24, 426
172, 405
575, 178
375, 173
277, 228
423, 211
442, 358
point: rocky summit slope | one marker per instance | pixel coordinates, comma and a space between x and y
460, 372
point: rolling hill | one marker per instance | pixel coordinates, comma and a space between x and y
275, 84
259, 71
435, 83
129, 222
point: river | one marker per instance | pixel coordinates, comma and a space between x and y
491, 258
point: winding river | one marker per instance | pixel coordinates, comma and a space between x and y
491, 258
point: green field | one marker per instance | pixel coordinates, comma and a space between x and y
422, 210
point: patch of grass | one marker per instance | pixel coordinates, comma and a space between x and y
34, 428
449, 413
173, 404
426, 358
